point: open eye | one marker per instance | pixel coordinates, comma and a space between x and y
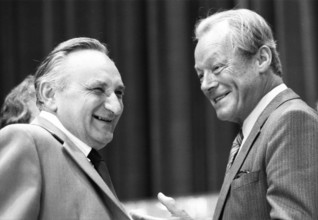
216, 68
200, 78
200, 74
119, 93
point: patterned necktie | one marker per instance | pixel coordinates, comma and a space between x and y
101, 168
234, 150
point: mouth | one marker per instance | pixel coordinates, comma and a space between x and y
100, 118
218, 98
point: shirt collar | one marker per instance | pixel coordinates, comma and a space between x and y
55, 121
253, 116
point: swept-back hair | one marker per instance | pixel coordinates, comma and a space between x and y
49, 70
248, 32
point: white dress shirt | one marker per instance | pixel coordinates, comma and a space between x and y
253, 116
55, 121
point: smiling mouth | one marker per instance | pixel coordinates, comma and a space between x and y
102, 119
217, 99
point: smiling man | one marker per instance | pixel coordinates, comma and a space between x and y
272, 171
50, 169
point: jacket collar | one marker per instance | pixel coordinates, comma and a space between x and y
281, 98
80, 159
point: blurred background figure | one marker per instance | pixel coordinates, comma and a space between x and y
19, 105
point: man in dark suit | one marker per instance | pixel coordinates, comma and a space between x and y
272, 171
48, 169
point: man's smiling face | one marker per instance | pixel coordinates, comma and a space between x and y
228, 79
91, 103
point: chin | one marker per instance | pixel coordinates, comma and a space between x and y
223, 117
100, 143
107, 140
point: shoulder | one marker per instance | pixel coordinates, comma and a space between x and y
21, 130
22, 136
16, 131
291, 125
293, 111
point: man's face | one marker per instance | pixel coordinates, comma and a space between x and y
231, 83
91, 104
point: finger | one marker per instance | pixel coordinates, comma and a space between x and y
169, 202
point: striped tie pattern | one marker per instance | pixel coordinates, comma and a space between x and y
234, 150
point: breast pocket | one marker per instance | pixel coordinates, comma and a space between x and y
244, 179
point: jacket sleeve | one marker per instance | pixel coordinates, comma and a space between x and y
20, 174
292, 166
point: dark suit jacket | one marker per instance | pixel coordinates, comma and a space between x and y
275, 175
45, 176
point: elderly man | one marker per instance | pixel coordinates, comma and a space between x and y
272, 172
50, 169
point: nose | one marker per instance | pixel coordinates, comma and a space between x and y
209, 82
114, 104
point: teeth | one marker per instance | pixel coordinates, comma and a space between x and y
102, 119
219, 98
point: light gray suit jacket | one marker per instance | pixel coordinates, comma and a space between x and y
43, 175
275, 175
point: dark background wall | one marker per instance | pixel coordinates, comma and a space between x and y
168, 138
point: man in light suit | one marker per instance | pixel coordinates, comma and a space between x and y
273, 172
45, 169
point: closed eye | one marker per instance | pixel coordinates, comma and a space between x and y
99, 90
218, 68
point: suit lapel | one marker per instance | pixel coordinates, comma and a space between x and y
79, 158
281, 98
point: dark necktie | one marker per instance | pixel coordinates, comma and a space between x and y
101, 168
234, 150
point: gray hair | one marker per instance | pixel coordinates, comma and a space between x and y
15, 107
248, 32
49, 70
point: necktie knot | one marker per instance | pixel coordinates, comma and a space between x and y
95, 158
101, 168
235, 148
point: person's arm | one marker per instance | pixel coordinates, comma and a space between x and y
292, 166
20, 175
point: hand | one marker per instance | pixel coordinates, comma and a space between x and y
172, 207
170, 204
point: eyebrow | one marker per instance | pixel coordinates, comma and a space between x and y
103, 84
121, 87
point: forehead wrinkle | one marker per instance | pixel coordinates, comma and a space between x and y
96, 82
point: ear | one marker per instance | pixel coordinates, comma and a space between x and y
47, 96
264, 58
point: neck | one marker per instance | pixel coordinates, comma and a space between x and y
270, 82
